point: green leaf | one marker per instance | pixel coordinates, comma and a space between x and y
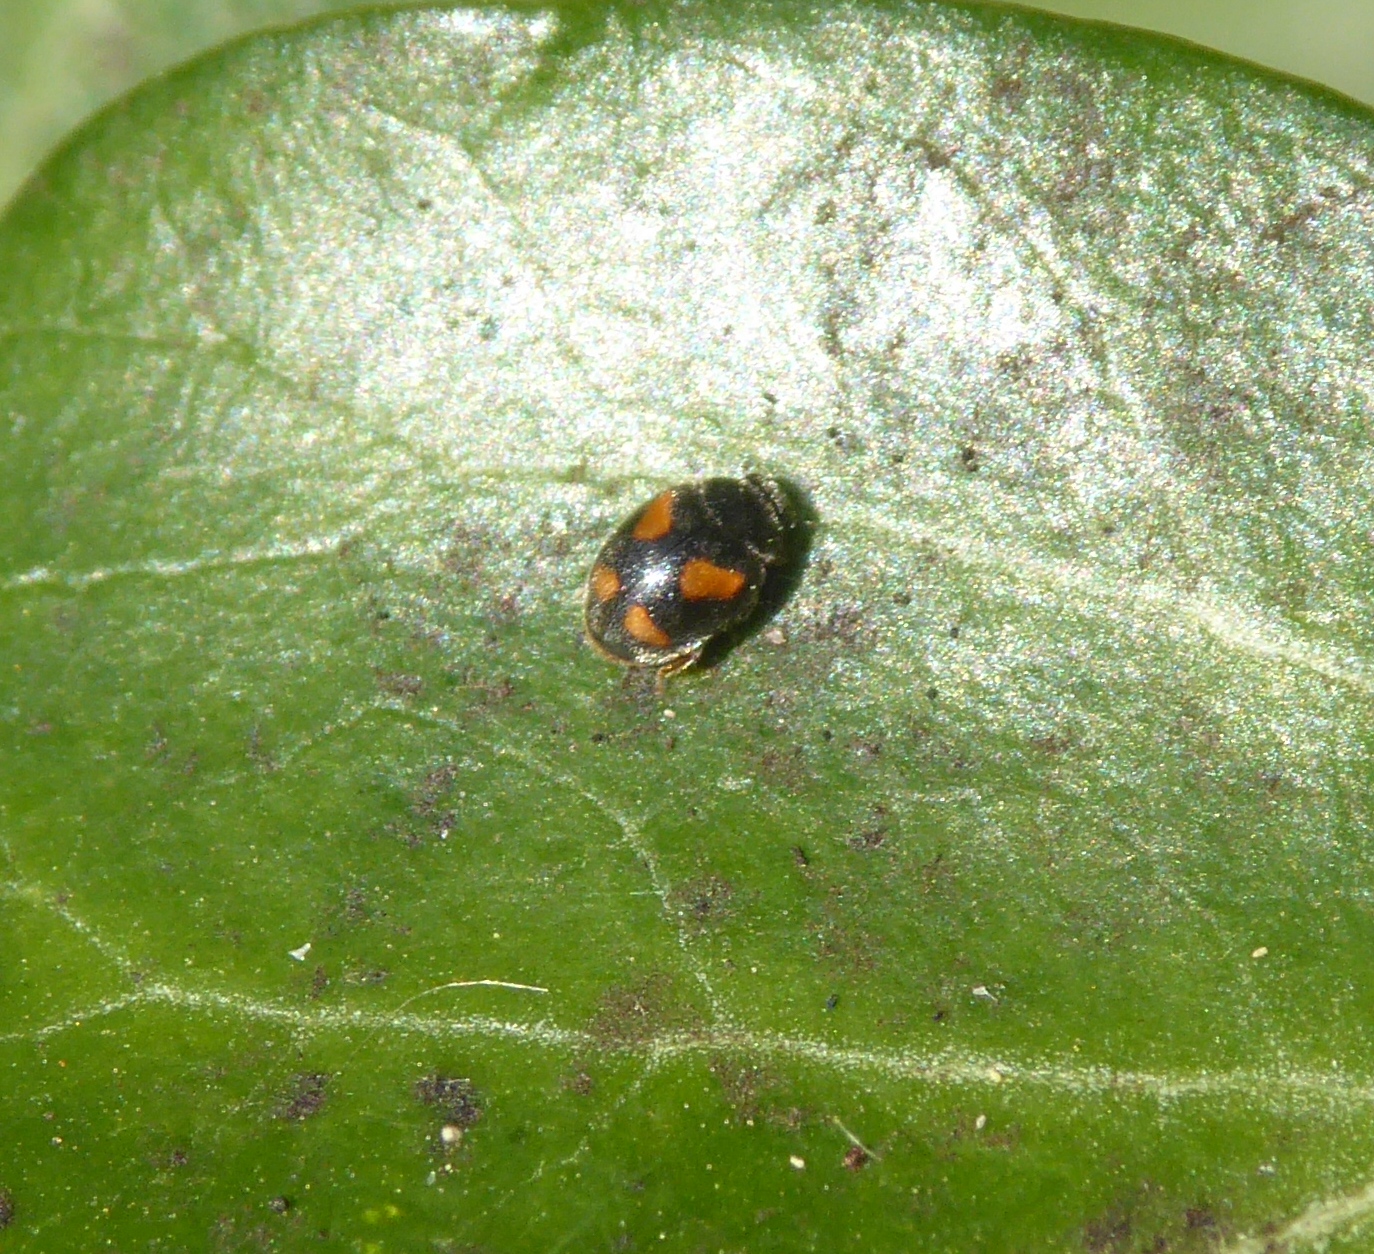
1030, 853
61, 59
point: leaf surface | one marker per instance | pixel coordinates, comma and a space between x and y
1010, 892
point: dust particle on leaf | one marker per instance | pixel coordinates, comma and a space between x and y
306, 1097
856, 1158
468, 551
484, 690
932, 155
844, 942
258, 754
784, 768
869, 749
456, 1098
1054, 744
355, 909
742, 1084
396, 684
366, 975
873, 834
156, 749
703, 901
1108, 1234
582, 1084
635, 1013
1009, 90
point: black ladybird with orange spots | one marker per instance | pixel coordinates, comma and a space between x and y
685, 568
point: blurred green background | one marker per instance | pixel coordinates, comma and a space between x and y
61, 59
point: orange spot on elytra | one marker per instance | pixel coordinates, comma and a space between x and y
657, 520
605, 583
704, 581
644, 629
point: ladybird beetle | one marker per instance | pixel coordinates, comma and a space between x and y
683, 569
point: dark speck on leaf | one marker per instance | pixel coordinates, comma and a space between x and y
932, 693
456, 1098
832, 1001
1010, 90
1107, 1234
6, 1210
395, 684
1054, 745
279, 1205
870, 838
901, 598
639, 1012
935, 158
307, 1096
842, 622
799, 856
704, 899
856, 1158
